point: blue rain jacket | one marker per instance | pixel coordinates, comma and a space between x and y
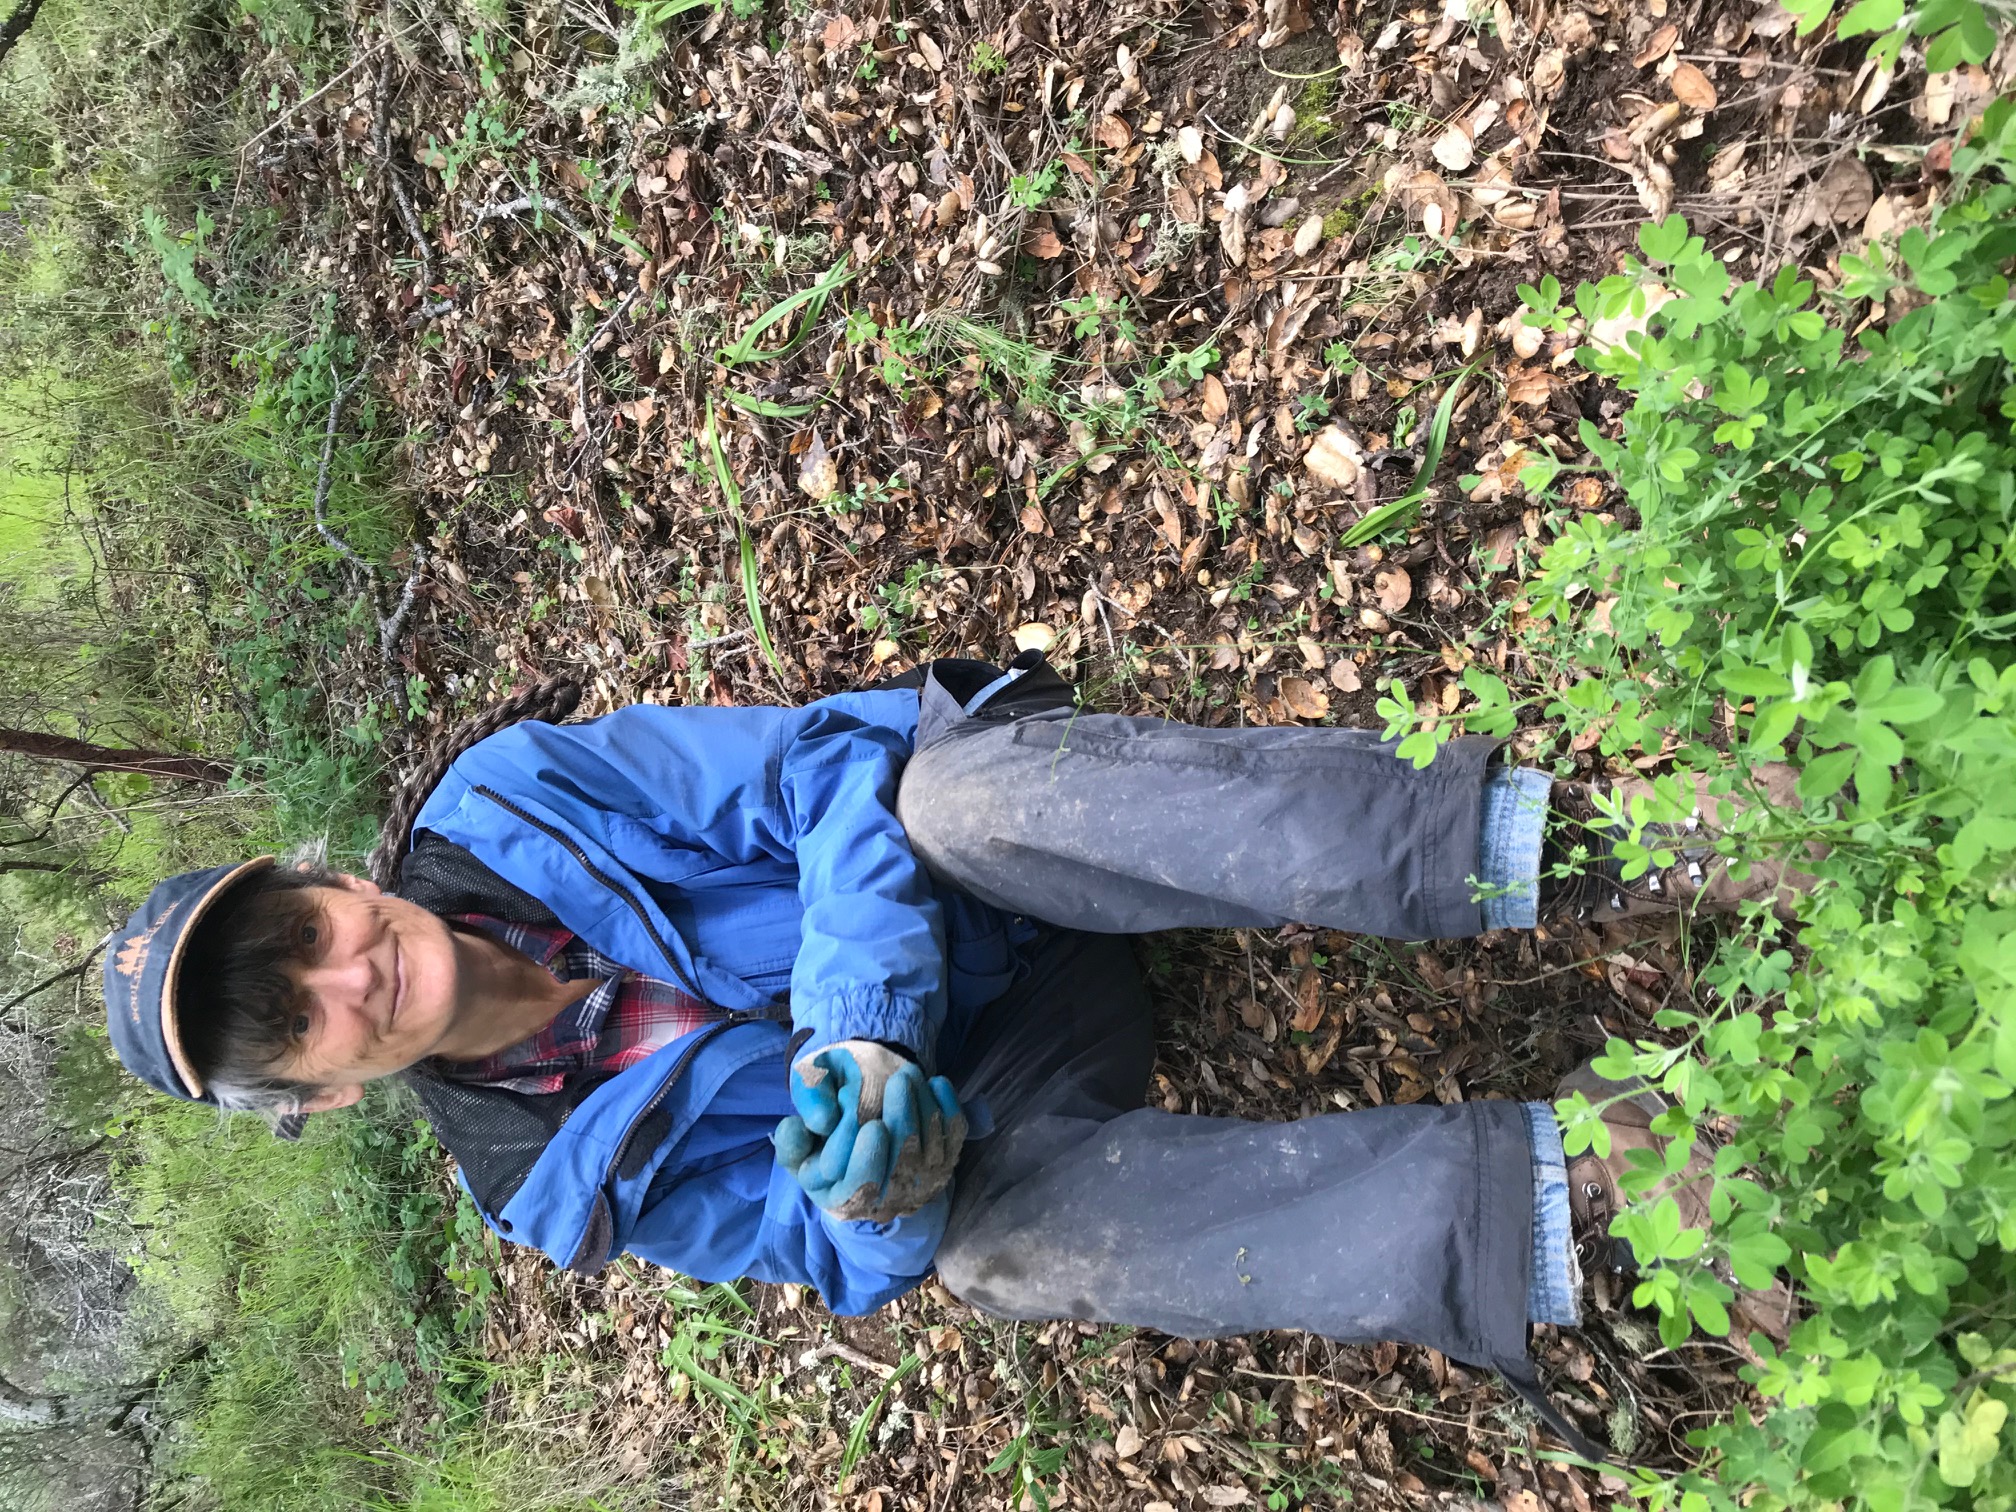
753, 855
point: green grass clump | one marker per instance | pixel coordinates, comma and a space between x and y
308, 1272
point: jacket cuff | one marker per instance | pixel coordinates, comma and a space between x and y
865, 1013
903, 1248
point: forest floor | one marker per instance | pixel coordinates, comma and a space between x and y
746, 358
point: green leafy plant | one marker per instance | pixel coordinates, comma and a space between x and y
177, 254
989, 59
1821, 570
895, 604
1339, 358
1959, 31
1095, 312
1032, 191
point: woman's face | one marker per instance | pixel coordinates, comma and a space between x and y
378, 989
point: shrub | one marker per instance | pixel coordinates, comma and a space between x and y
1821, 571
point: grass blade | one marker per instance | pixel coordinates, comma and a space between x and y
766, 407
857, 1436
812, 299
752, 587
1402, 509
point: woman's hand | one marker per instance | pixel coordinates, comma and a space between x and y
872, 1138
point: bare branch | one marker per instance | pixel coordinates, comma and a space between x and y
342, 392
536, 204
307, 100
393, 625
76, 968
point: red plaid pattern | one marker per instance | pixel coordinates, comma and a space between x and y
623, 1020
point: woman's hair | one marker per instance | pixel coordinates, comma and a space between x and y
237, 1004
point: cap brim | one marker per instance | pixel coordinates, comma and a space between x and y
171, 1008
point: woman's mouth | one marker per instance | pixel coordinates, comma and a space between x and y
398, 985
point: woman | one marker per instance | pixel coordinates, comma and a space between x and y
840, 994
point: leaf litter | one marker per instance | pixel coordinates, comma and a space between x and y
749, 357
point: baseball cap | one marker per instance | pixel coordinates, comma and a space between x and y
144, 995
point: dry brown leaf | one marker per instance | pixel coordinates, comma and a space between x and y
1304, 699
1940, 91
1307, 235
818, 473
1845, 191
1034, 636
1656, 46
1044, 245
1528, 386
1549, 69
1454, 149
1333, 457
840, 34
1586, 492
1430, 197
1392, 588
1190, 142
1344, 675
1216, 405
1127, 1442
1692, 88
1308, 1002
1573, 30
1654, 122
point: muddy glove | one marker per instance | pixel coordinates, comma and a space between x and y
872, 1138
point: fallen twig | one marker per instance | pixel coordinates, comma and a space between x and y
1371, 1399
595, 337
381, 145
336, 542
536, 204
390, 625
307, 100
834, 1349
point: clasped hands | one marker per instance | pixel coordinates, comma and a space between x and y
872, 1137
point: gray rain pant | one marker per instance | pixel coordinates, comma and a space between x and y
1405, 1223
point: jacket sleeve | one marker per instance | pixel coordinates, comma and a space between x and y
721, 1207
666, 789
871, 961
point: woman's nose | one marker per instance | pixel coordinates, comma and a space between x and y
345, 982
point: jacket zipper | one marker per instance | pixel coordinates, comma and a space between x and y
735, 1016
665, 1087
559, 838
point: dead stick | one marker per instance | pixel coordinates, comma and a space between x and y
343, 391
300, 105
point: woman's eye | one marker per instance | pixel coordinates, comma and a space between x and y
309, 934
300, 1026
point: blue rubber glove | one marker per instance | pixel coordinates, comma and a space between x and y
872, 1138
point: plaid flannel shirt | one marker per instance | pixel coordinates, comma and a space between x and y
623, 1020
